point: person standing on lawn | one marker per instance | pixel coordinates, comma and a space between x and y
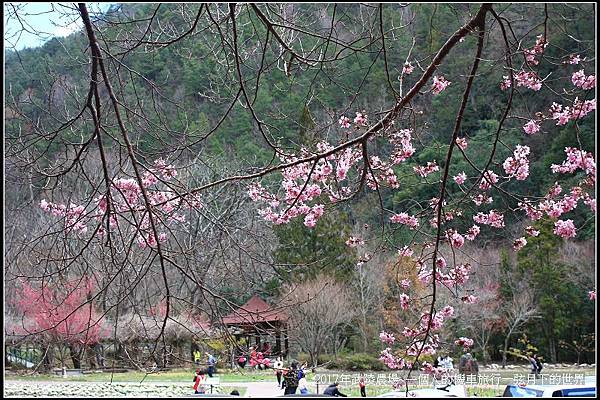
290, 380
212, 362
278, 366
362, 385
199, 380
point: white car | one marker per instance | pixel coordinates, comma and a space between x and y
550, 391
445, 391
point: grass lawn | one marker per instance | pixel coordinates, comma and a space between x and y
177, 375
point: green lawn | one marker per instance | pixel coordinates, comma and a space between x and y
178, 375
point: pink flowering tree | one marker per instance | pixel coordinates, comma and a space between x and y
64, 314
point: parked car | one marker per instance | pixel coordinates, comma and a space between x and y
443, 391
515, 390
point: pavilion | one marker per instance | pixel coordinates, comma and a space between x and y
255, 319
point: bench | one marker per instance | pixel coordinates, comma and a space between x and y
68, 372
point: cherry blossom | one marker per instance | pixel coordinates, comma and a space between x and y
493, 218
387, 338
405, 252
460, 178
519, 243
464, 342
518, 165
529, 80
430, 168
354, 241
470, 299
405, 219
574, 59
531, 127
592, 295
582, 81
344, 122
408, 68
462, 143
489, 178
360, 119
456, 239
531, 231
439, 84
447, 311
565, 229
472, 232
404, 301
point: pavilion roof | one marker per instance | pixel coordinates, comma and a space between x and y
254, 311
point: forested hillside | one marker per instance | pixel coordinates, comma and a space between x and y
215, 104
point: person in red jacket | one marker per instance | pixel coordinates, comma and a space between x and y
362, 385
199, 380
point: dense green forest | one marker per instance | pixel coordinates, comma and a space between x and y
183, 90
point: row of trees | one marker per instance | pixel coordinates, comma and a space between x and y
201, 153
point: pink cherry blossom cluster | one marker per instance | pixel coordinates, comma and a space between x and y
344, 122
447, 311
381, 172
579, 110
167, 171
531, 127
582, 81
482, 198
565, 229
73, 214
574, 59
407, 68
405, 219
519, 243
405, 252
360, 119
439, 84
404, 301
434, 324
518, 164
592, 295
493, 219
127, 206
538, 48
457, 275
472, 232
506, 83
354, 241
466, 343
403, 147
576, 159
391, 361
528, 79
531, 231
470, 299
456, 239
430, 168
531, 210
489, 178
386, 337
462, 143
460, 178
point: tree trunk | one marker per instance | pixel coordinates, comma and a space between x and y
48, 358
506, 341
75, 356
